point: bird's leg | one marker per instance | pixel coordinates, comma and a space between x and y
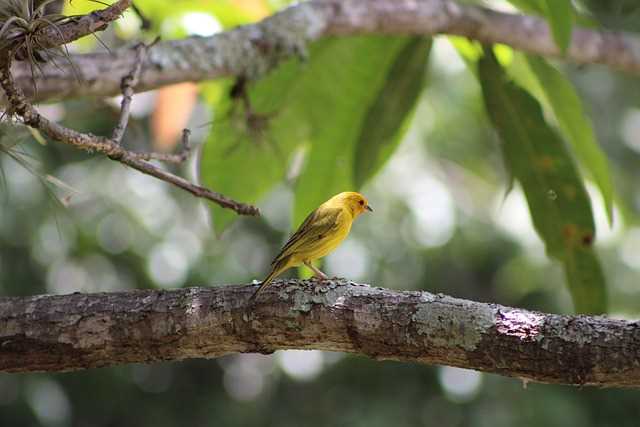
317, 273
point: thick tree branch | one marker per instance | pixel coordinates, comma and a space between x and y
78, 331
254, 49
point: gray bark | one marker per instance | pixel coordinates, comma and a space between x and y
252, 50
78, 331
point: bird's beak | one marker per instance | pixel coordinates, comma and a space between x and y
368, 208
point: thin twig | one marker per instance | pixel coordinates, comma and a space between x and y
179, 157
92, 143
129, 82
198, 191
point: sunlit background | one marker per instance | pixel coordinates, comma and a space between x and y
445, 221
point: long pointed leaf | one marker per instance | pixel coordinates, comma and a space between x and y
559, 15
338, 100
576, 126
387, 118
558, 201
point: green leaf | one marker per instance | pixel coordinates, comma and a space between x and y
247, 151
388, 116
540, 8
560, 17
470, 51
320, 104
558, 201
530, 6
340, 91
575, 125
585, 279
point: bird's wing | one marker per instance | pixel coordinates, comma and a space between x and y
317, 225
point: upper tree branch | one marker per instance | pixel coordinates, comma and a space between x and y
253, 49
68, 332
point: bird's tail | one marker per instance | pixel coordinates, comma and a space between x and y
278, 267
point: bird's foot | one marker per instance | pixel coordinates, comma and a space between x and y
316, 272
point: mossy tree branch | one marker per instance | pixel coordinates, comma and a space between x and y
252, 50
78, 331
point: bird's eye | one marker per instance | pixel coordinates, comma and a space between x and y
361, 202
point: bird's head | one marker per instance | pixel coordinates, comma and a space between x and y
356, 202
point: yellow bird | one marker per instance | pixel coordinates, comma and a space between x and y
320, 233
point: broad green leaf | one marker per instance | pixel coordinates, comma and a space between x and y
247, 152
339, 94
320, 104
559, 15
559, 205
575, 125
388, 116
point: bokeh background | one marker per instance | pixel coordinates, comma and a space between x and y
444, 222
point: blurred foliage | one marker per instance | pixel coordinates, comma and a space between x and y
560, 16
321, 106
428, 157
615, 14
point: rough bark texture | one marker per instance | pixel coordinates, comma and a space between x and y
254, 49
77, 331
